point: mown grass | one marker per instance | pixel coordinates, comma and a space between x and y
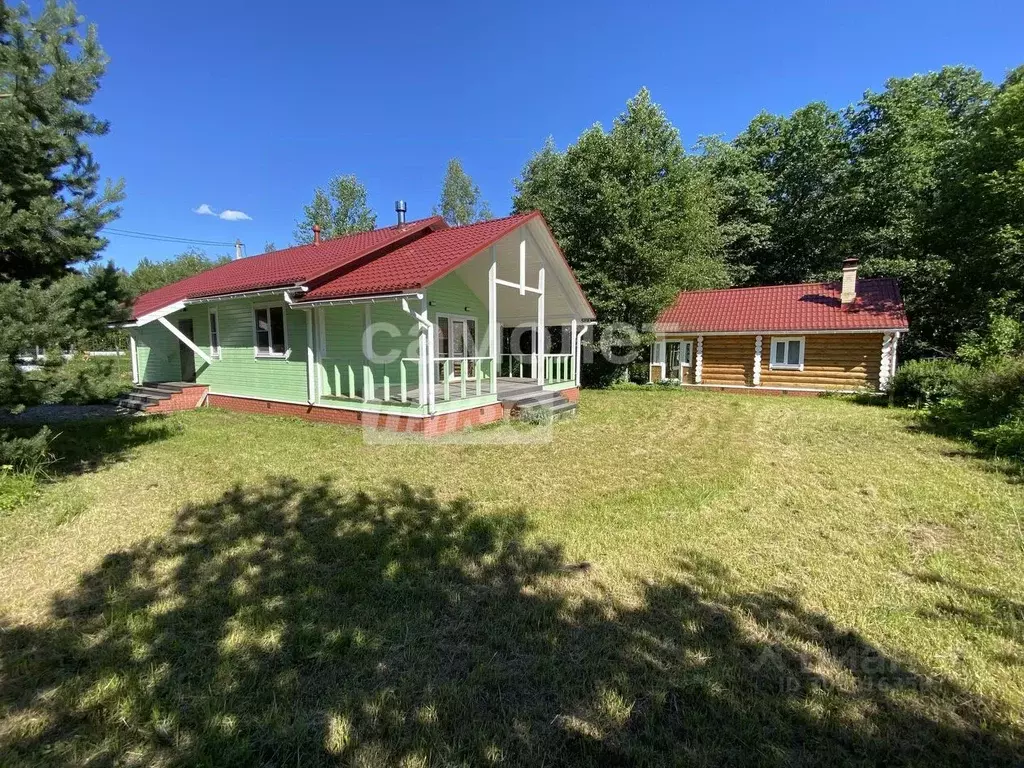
676, 578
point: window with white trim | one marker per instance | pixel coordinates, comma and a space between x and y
687, 353
787, 353
269, 331
214, 334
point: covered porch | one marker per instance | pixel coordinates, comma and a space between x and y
508, 319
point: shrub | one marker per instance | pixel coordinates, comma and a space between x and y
25, 454
926, 382
987, 396
83, 380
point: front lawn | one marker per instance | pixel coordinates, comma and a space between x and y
677, 578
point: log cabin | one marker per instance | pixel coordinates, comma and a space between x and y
802, 338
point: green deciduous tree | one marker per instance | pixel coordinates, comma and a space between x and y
898, 179
635, 216
784, 183
341, 209
460, 202
149, 275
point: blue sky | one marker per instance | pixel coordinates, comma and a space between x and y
247, 106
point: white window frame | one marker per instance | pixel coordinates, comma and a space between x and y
686, 344
284, 322
214, 349
448, 317
774, 366
659, 356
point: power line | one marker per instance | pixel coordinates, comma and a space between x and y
163, 238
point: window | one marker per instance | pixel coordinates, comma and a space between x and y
270, 341
214, 334
456, 338
787, 353
687, 353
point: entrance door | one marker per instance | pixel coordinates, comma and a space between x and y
672, 369
187, 356
457, 340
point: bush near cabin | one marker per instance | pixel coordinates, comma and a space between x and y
979, 394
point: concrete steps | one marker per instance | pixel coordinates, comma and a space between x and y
144, 397
537, 404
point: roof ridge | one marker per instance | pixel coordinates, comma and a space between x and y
493, 221
779, 285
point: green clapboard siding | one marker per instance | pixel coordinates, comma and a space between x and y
158, 353
450, 295
240, 372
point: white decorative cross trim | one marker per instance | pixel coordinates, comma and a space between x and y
888, 360
757, 361
698, 369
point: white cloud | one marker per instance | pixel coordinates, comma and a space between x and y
226, 215
230, 215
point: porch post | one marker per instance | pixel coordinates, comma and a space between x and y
542, 335
321, 352
310, 359
429, 367
367, 354
575, 358
492, 318
134, 353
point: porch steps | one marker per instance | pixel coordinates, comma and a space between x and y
146, 396
537, 404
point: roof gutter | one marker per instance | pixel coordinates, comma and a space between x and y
372, 299
781, 332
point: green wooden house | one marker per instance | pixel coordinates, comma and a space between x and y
418, 326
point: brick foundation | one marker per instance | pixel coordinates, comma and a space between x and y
572, 395
186, 400
439, 424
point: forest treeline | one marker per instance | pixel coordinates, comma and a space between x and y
922, 181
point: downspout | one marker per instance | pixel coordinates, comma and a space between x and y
579, 347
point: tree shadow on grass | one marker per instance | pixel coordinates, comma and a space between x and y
289, 624
985, 609
89, 445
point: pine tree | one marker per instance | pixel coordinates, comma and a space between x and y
51, 206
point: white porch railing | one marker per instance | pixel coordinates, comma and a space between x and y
558, 369
516, 366
472, 375
398, 381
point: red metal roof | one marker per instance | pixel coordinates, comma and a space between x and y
800, 307
418, 263
367, 264
287, 267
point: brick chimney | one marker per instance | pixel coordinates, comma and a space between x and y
316, 234
849, 294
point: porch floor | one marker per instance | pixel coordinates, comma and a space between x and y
508, 388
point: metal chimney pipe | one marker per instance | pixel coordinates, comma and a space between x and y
316, 234
238, 249
400, 210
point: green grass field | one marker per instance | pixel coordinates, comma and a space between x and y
676, 578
